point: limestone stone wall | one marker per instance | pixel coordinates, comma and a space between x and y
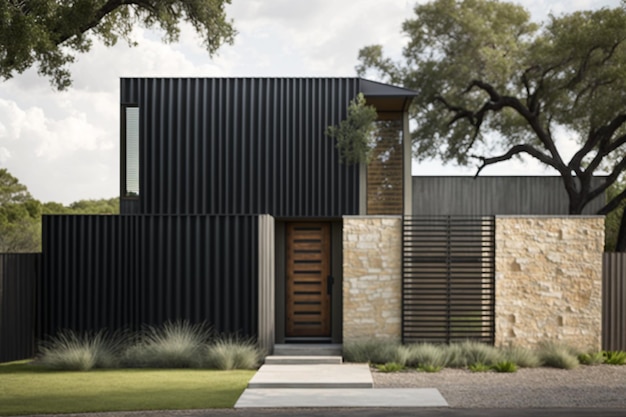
372, 278
549, 280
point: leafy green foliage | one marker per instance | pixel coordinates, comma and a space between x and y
429, 368
591, 358
230, 352
20, 214
175, 344
495, 86
479, 367
390, 367
615, 357
355, 135
49, 32
505, 366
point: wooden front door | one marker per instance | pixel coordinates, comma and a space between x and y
308, 269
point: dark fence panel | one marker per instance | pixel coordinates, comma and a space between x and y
469, 196
19, 275
241, 145
448, 279
126, 271
614, 301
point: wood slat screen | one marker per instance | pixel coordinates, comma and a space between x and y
385, 171
448, 279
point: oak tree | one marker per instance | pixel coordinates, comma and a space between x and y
49, 33
494, 85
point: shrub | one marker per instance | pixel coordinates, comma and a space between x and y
231, 352
81, 352
615, 357
424, 354
173, 345
505, 366
455, 357
469, 352
523, 357
372, 351
479, 367
591, 358
390, 367
557, 356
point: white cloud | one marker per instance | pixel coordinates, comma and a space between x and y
65, 145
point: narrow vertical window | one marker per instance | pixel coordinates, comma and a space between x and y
132, 152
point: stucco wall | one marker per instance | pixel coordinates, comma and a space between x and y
372, 279
549, 280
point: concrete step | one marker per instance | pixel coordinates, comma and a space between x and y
307, 349
302, 360
312, 376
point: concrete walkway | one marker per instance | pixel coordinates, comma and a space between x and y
327, 385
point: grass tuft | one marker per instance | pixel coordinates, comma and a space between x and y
556, 355
390, 367
523, 357
424, 354
505, 366
231, 352
469, 352
177, 344
73, 351
372, 351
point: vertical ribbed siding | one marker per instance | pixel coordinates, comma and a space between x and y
614, 301
125, 271
242, 145
468, 196
19, 276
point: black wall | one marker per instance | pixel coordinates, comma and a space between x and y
19, 277
125, 271
241, 145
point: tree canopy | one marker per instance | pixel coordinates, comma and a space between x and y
494, 85
20, 214
49, 32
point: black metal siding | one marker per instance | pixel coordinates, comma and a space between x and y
468, 196
126, 271
19, 276
242, 145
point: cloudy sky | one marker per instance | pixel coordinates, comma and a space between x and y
64, 145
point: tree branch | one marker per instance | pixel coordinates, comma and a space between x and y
515, 150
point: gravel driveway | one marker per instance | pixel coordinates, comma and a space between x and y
586, 387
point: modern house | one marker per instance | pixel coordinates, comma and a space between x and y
236, 210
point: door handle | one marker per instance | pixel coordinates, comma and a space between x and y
329, 284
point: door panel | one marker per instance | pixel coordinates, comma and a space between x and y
308, 269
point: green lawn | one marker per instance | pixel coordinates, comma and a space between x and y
28, 389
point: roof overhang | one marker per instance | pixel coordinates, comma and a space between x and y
386, 98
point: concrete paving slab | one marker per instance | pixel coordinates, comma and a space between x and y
312, 376
329, 397
303, 360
